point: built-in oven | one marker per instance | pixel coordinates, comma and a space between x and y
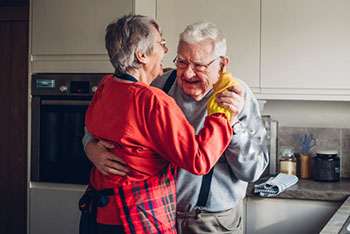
59, 103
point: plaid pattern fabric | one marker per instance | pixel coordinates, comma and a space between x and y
149, 206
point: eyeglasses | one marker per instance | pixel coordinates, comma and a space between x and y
162, 42
182, 64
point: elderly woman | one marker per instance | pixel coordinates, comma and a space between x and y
150, 133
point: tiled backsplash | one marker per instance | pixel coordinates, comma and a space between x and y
326, 138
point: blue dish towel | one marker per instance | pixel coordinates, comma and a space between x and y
275, 185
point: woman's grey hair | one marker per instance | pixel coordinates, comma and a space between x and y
128, 35
202, 30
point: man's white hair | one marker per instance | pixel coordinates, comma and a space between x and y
202, 30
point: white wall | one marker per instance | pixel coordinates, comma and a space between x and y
317, 114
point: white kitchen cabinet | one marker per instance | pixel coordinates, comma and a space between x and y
239, 20
54, 208
287, 216
305, 49
68, 36
286, 50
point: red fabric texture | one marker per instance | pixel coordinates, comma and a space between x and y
149, 130
149, 206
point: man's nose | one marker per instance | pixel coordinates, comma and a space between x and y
189, 72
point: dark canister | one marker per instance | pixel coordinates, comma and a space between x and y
326, 166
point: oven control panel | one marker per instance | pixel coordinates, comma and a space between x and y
65, 84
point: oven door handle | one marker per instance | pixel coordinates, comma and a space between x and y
66, 102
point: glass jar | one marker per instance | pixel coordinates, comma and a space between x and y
326, 166
288, 161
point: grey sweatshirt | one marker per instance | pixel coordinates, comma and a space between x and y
244, 160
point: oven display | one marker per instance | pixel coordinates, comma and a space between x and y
79, 86
45, 83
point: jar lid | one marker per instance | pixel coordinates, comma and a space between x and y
327, 152
287, 151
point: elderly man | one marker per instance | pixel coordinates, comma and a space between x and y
210, 203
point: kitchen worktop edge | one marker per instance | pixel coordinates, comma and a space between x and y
338, 220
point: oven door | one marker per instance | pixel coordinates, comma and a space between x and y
57, 130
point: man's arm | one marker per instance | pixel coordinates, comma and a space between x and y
105, 161
246, 154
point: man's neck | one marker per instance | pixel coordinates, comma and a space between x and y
200, 96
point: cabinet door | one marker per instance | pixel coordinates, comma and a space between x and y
54, 208
239, 20
65, 32
305, 47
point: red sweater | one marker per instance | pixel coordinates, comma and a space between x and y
149, 130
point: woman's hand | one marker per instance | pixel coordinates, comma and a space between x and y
105, 161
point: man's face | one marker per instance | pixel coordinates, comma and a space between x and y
197, 83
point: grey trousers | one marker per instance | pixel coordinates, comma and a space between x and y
196, 222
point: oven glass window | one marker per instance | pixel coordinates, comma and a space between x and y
62, 157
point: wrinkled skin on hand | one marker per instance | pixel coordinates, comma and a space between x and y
105, 161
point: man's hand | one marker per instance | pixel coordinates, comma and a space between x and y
233, 100
105, 161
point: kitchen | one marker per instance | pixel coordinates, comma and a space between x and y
290, 53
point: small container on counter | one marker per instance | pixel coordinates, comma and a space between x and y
326, 166
305, 171
288, 161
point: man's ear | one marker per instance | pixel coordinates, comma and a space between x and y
224, 62
142, 57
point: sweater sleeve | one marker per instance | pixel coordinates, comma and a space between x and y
246, 154
176, 141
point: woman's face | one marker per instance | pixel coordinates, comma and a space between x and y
154, 66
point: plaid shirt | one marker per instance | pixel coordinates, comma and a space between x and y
149, 206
